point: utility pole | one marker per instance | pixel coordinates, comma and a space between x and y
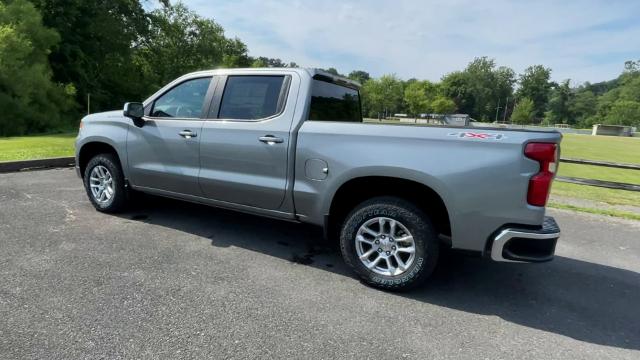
88, 103
497, 109
506, 106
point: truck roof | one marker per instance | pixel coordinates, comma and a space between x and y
312, 72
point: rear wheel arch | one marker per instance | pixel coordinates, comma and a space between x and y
357, 190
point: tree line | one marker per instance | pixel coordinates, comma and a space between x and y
490, 93
57, 57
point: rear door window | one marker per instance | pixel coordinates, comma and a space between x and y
333, 102
252, 97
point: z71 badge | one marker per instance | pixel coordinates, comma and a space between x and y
475, 135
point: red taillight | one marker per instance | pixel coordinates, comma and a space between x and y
540, 183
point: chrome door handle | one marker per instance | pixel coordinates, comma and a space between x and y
187, 134
270, 139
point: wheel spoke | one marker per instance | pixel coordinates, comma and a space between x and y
408, 250
94, 179
94, 185
367, 254
364, 240
381, 222
392, 228
406, 238
390, 267
369, 231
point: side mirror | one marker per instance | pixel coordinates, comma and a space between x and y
135, 111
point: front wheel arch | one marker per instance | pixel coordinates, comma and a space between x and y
91, 149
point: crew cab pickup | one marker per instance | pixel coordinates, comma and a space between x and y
291, 144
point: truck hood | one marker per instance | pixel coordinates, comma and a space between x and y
107, 115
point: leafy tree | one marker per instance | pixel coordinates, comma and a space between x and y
371, 98
29, 100
418, 96
624, 112
630, 87
259, 62
392, 92
601, 87
480, 79
559, 104
479, 88
333, 71
180, 41
382, 97
273, 62
631, 66
535, 85
359, 76
617, 105
456, 86
235, 54
583, 106
524, 112
270, 62
95, 52
443, 105
505, 79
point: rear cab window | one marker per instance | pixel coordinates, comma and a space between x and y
334, 102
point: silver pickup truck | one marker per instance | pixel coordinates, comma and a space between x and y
291, 144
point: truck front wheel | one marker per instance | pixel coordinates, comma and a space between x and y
390, 243
104, 183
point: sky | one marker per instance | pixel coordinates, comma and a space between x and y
579, 40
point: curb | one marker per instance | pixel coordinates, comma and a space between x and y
38, 164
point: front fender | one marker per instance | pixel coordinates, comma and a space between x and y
109, 130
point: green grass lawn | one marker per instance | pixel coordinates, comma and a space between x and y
606, 148
36, 147
604, 195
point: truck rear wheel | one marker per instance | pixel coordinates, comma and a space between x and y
389, 243
104, 183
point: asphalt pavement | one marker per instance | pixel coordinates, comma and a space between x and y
175, 280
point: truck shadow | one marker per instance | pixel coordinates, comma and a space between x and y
582, 300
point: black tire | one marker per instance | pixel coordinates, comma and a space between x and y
414, 220
119, 198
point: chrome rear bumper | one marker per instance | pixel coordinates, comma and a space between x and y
514, 244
